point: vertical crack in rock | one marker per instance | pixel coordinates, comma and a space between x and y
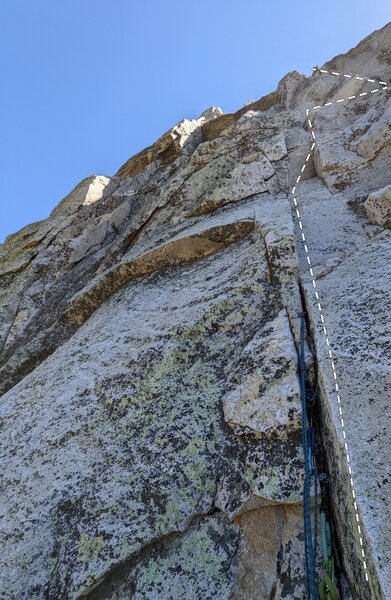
150, 406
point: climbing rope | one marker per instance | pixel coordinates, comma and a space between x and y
310, 477
326, 590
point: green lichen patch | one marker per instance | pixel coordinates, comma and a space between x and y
90, 547
197, 564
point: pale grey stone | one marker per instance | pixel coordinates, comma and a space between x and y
150, 329
378, 207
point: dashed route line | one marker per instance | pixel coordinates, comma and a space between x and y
365, 79
315, 69
308, 258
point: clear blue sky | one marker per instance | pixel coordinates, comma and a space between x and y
87, 83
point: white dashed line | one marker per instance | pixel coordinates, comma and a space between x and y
383, 83
294, 197
348, 76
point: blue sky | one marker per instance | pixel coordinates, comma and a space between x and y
87, 83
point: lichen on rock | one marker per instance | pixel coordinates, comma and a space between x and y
149, 337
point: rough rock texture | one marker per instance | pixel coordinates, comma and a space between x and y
149, 333
378, 207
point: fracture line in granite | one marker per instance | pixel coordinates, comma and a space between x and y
319, 306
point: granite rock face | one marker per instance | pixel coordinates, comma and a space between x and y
149, 337
378, 207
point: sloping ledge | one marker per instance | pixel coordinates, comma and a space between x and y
213, 128
178, 251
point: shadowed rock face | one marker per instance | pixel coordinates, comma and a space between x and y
150, 404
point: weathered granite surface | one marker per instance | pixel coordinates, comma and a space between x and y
149, 329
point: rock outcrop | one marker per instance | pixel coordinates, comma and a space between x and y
149, 337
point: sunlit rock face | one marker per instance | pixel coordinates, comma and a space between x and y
149, 336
